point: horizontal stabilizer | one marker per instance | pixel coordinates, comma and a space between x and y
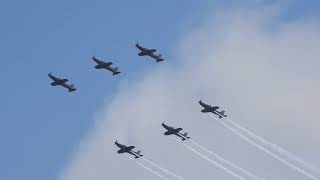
115, 71
159, 58
71, 88
139, 153
186, 135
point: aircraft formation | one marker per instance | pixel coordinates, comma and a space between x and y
169, 130
278, 151
100, 64
108, 65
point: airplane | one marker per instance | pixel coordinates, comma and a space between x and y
149, 52
105, 65
175, 131
212, 109
62, 82
127, 149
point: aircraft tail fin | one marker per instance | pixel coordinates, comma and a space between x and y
222, 114
115, 71
72, 88
139, 153
185, 135
159, 58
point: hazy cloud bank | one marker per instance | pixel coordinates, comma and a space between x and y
262, 71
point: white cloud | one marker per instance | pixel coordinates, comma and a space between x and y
266, 78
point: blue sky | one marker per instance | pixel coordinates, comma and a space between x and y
41, 125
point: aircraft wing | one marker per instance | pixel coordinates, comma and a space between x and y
142, 53
100, 62
207, 105
53, 77
203, 104
122, 150
140, 47
168, 133
130, 148
108, 63
215, 107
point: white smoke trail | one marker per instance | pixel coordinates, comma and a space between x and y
269, 152
163, 169
246, 172
149, 169
277, 148
212, 162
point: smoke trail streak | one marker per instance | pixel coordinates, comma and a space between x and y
163, 169
277, 148
246, 172
149, 169
269, 152
212, 162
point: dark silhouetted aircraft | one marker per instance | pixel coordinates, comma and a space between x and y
105, 65
127, 149
212, 109
149, 52
62, 82
175, 131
